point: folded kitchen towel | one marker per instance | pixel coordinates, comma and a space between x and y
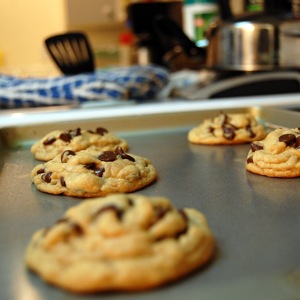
135, 82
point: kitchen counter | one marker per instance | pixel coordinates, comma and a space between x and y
115, 109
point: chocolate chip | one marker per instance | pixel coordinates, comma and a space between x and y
112, 155
288, 139
65, 155
228, 132
65, 136
101, 131
297, 143
62, 182
250, 160
225, 118
90, 166
126, 156
120, 151
74, 226
47, 177
185, 219
49, 141
160, 212
249, 129
255, 147
211, 130
118, 211
40, 171
76, 132
130, 202
226, 122
107, 156
99, 171
181, 232
183, 215
77, 228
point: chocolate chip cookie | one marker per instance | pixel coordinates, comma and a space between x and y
278, 155
228, 128
77, 139
121, 242
91, 173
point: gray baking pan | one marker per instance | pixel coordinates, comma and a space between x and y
255, 219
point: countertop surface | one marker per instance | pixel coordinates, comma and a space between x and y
114, 109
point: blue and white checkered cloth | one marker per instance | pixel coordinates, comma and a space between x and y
135, 82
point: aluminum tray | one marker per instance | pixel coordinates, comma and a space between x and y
255, 219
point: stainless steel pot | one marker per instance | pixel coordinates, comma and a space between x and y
243, 46
289, 40
253, 42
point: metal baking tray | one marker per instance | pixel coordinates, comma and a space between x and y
255, 219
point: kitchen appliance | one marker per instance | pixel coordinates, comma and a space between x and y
141, 17
255, 41
249, 54
259, 41
239, 84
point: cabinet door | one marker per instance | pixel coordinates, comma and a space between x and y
91, 12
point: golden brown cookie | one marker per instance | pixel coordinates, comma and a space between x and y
77, 139
121, 242
227, 129
278, 155
91, 173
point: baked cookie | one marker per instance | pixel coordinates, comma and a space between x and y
91, 173
58, 141
227, 129
120, 242
278, 155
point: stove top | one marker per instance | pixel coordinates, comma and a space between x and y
239, 84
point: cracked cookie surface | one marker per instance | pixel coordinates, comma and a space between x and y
278, 155
121, 242
229, 128
90, 173
77, 139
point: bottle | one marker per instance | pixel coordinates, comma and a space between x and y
125, 48
197, 15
